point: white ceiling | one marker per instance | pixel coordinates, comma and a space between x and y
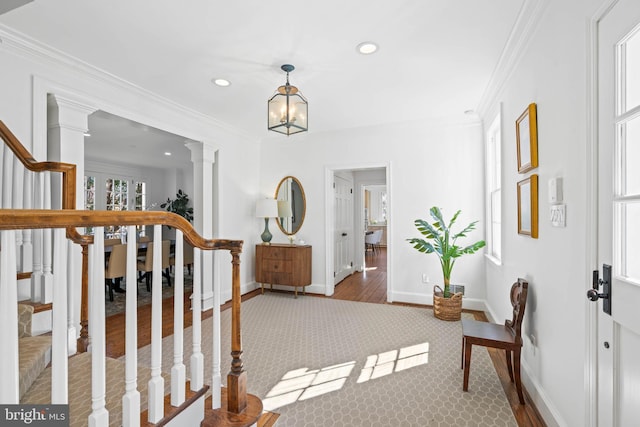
435, 60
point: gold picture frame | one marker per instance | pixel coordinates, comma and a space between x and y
527, 139
528, 206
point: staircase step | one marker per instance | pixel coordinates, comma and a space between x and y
223, 418
24, 275
170, 412
37, 307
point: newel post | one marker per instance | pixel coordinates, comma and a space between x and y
237, 377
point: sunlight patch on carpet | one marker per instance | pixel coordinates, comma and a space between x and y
380, 365
302, 384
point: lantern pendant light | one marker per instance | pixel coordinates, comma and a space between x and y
287, 108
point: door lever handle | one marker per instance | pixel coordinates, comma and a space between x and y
344, 234
593, 295
605, 282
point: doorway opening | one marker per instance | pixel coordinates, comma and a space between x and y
358, 209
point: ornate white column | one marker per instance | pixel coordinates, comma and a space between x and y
203, 157
67, 122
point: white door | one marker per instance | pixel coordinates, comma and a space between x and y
619, 214
343, 218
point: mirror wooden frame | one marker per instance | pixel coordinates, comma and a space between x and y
295, 211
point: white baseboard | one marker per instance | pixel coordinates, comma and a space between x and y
427, 299
309, 289
547, 410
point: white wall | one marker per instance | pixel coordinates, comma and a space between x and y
430, 164
550, 70
29, 70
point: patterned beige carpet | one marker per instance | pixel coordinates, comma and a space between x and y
323, 362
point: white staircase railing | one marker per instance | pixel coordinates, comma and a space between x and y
59, 221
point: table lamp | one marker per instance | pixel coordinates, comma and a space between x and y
266, 208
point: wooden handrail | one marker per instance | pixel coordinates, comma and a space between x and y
68, 170
21, 219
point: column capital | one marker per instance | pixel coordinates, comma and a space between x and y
201, 151
68, 113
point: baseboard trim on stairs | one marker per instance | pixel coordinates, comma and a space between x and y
172, 412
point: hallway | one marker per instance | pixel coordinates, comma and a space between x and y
369, 285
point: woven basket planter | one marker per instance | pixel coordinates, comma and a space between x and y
446, 308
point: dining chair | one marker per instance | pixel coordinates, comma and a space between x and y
116, 267
507, 337
373, 240
187, 256
146, 265
111, 242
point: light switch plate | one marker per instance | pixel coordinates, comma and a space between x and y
557, 215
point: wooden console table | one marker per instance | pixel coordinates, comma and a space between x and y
283, 264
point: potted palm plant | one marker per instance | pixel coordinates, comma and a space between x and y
441, 240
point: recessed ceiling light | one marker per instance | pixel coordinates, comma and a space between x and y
221, 82
166, 153
367, 48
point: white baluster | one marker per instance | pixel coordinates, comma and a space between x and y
197, 359
216, 380
16, 203
38, 236
27, 245
156, 382
7, 179
47, 275
99, 416
59, 344
131, 398
3, 149
178, 370
9, 360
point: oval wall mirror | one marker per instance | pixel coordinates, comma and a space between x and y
292, 205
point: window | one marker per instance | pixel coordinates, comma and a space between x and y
141, 196
117, 200
493, 195
89, 197
121, 193
141, 203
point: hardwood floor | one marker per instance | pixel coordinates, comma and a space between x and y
368, 286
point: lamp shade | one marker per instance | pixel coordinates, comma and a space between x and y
284, 209
267, 208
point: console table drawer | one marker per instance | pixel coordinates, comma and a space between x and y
277, 266
278, 253
281, 264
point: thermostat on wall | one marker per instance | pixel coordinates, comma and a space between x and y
555, 190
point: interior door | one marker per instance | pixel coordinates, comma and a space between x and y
619, 215
343, 217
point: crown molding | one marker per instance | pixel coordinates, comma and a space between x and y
522, 32
31, 49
